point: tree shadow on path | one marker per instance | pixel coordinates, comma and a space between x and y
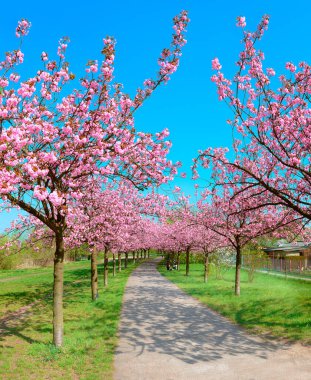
159, 317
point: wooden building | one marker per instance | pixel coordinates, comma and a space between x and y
290, 257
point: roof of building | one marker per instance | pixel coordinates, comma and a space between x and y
289, 247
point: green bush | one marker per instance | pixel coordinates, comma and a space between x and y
7, 262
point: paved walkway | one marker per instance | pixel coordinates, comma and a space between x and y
167, 335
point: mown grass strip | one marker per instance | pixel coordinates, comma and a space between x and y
270, 305
90, 327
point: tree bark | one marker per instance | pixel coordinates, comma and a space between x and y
148, 253
238, 271
126, 260
119, 262
106, 267
178, 261
113, 264
58, 289
134, 257
206, 268
168, 262
94, 275
187, 261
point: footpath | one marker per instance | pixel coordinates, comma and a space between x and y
168, 335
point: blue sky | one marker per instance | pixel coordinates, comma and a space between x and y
188, 104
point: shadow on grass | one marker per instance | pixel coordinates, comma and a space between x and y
17, 323
35, 301
259, 313
34, 316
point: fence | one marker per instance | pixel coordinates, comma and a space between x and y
298, 265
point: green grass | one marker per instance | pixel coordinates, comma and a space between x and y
302, 275
90, 338
270, 305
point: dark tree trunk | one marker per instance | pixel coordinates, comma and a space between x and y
178, 260
134, 257
148, 253
58, 288
206, 267
119, 262
168, 261
238, 271
106, 267
113, 264
187, 261
126, 260
94, 274
145, 253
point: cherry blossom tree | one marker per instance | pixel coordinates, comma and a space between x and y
51, 141
185, 236
208, 241
227, 213
98, 220
180, 228
271, 123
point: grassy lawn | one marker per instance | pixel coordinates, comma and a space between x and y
270, 305
26, 351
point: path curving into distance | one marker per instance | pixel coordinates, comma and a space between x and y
168, 335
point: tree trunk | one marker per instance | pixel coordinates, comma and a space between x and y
187, 261
145, 253
119, 262
106, 267
113, 264
238, 271
141, 253
58, 286
134, 257
178, 261
206, 267
94, 274
148, 253
168, 262
126, 260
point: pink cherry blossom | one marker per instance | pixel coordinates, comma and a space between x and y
56, 136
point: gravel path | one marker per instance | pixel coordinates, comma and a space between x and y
167, 335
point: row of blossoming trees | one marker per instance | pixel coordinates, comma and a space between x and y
76, 164
55, 141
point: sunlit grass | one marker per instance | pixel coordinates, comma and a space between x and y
270, 305
90, 327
